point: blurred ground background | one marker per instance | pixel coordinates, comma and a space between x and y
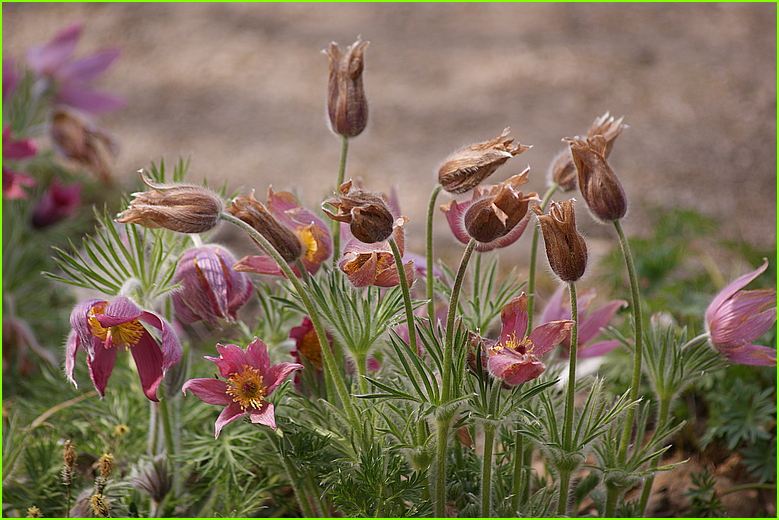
240, 88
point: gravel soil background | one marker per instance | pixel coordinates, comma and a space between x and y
240, 88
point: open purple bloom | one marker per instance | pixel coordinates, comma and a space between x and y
210, 288
735, 318
590, 324
54, 61
312, 232
514, 359
250, 378
374, 264
57, 203
101, 328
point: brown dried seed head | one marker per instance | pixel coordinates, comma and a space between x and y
370, 219
467, 168
105, 465
254, 213
78, 138
607, 127
565, 247
499, 210
178, 207
562, 171
347, 105
598, 184
69, 455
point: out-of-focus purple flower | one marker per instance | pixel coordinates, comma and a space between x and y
54, 62
374, 264
590, 324
57, 203
735, 318
496, 216
10, 77
13, 180
75, 136
514, 359
250, 378
101, 328
312, 232
210, 288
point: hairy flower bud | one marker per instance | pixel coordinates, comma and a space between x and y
77, 138
370, 219
346, 102
598, 184
565, 247
562, 171
106, 465
496, 214
69, 455
179, 207
607, 127
254, 213
467, 168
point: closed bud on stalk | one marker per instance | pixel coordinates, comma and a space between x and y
76, 137
598, 184
562, 171
254, 213
346, 102
368, 215
178, 207
607, 127
467, 168
495, 215
565, 247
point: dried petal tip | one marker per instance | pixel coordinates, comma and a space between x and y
467, 168
598, 184
607, 127
565, 247
347, 105
254, 213
179, 207
370, 219
562, 171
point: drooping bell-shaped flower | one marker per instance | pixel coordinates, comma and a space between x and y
347, 105
210, 289
515, 358
566, 250
598, 183
735, 318
101, 328
368, 214
249, 378
374, 264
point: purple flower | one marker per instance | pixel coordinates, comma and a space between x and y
210, 288
735, 318
514, 359
590, 325
101, 328
250, 378
57, 203
54, 62
10, 78
13, 180
309, 229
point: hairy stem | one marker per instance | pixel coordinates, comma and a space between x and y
341, 174
412, 329
662, 417
565, 476
531, 279
430, 282
489, 441
442, 443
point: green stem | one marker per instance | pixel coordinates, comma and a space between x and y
442, 442
489, 440
612, 495
412, 329
337, 226
639, 336
516, 484
361, 360
662, 417
305, 505
166, 415
531, 280
565, 476
429, 259
565, 483
327, 355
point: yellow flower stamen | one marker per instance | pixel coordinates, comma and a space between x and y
246, 388
125, 334
522, 347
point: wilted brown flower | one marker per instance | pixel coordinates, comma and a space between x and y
346, 102
69, 455
368, 215
178, 207
563, 171
76, 137
598, 184
467, 168
499, 211
254, 213
106, 465
99, 504
565, 247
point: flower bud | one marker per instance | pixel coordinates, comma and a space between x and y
565, 247
179, 207
562, 171
76, 137
598, 184
69, 455
346, 102
496, 214
467, 168
254, 213
370, 219
57, 203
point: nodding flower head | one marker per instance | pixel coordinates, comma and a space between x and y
467, 168
347, 105
565, 247
598, 184
368, 215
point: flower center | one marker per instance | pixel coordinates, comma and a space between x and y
246, 388
525, 346
125, 334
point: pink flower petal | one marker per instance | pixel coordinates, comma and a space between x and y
264, 415
231, 360
591, 326
101, 366
84, 69
13, 182
231, 412
731, 289
547, 336
277, 373
87, 99
514, 318
79, 323
599, 348
260, 264
554, 310
514, 371
209, 390
148, 360
455, 213
49, 58
71, 348
750, 354
257, 354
